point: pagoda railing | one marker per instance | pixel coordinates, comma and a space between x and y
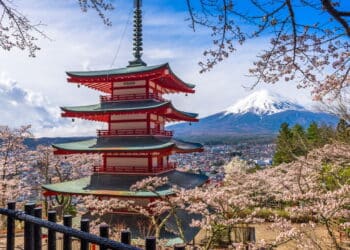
134, 132
133, 169
130, 97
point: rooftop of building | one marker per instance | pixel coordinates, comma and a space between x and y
119, 185
128, 143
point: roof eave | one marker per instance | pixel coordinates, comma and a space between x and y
79, 74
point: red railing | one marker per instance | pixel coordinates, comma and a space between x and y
130, 169
106, 133
130, 97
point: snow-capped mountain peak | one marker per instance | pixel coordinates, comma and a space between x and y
263, 102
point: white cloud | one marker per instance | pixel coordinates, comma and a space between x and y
81, 42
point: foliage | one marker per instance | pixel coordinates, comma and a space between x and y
299, 48
156, 212
283, 145
343, 131
311, 189
18, 31
291, 143
13, 162
48, 168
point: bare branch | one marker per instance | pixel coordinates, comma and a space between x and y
337, 15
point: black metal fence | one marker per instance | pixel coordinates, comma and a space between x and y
33, 224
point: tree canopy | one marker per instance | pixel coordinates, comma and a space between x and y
309, 39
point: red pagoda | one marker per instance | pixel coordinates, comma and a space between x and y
136, 143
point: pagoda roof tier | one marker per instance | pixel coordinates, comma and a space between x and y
102, 80
102, 111
128, 144
119, 185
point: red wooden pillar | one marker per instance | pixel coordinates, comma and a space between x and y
148, 123
104, 157
150, 165
112, 90
160, 161
109, 123
147, 88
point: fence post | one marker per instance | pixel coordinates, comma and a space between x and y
10, 238
51, 235
150, 243
67, 240
85, 227
251, 236
37, 229
29, 228
125, 237
104, 228
179, 247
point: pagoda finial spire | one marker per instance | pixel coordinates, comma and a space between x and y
137, 40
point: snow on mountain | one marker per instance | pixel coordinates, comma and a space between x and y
260, 113
262, 102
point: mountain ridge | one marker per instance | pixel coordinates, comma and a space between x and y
259, 113
263, 102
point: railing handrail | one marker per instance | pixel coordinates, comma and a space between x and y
91, 238
125, 97
134, 169
152, 131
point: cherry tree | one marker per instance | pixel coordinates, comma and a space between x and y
49, 168
156, 212
229, 204
317, 189
311, 51
18, 31
298, 197
13, 163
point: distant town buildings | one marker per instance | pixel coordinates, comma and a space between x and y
215, 157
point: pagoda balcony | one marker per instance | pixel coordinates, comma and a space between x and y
134, 170
130, 97
107, 133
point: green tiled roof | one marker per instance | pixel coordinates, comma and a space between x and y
117, 106
124, 71
125, 106
119, 185
120, 71
81, 187
134, 143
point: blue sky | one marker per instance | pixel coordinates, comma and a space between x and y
80, 41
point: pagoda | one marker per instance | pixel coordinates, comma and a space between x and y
135, 143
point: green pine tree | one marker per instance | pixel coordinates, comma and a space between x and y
327, 134
299, 141
283, 145
313, 134
342, 131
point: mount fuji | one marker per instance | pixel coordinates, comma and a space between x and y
260, 113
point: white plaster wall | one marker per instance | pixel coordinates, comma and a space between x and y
129, 91
129, 83
154, 161
128, 117
165, 162
129, 125
125, 161
153, 117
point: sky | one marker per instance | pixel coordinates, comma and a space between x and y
33, 89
